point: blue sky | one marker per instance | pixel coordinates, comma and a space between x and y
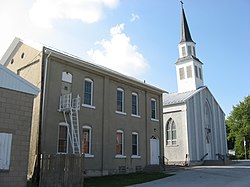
140, 37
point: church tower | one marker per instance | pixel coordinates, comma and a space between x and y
188, 66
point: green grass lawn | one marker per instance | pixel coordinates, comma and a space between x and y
123, 180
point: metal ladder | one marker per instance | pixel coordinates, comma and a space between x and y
70, 108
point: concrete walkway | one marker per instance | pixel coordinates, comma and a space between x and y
236, 175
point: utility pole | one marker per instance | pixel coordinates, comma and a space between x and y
245, 147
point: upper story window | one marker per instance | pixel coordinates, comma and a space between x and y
194, 51
183, 50
182, 73
200, 72
120, 100
88, 92
62, 146
189, 71
153, 109
66, 86
189, 50
171, 132
135, 104
196, 71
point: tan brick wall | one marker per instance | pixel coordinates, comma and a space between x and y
15, 118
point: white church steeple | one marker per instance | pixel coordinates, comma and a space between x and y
188, 66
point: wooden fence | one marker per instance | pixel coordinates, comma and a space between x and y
61, 170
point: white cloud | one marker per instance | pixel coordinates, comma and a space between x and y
134, 17
119, 54
44, 12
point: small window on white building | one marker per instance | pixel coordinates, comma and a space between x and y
182, 73
171, 132
189, 71
196, 71
189, 50
5, 150
183, 51
200, 72
194, 51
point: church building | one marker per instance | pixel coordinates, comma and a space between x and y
193, 121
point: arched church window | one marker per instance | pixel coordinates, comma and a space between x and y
171, 132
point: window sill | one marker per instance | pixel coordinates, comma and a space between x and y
156, 120
120, 156
88, 106
135, 156
136, 116
122, 113
172, 145
89, 156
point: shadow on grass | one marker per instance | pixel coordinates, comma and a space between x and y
123, 180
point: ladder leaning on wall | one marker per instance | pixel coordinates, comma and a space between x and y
70, 108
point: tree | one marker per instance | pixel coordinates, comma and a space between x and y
238, 128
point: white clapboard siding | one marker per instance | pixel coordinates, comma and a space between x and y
5, 150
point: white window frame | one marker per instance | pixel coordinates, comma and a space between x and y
89, 154
91, 94
151, 110
5, 150
123, 103
137, 105
170, 140
123, 145
58, 133
137, 145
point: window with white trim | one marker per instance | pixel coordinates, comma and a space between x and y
153, 109
88, 92
189, 71
119, 142
200, 72
86, 140
135, 104
196, 71
62, 146
120, 100
66, 85
171, 132
135, 146
182, 73
5, 150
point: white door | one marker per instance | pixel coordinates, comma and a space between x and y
154, 151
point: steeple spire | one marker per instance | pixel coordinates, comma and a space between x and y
185, 33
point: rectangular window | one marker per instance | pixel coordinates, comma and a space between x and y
88, 90
134, 144
194, 51
182, 73
120, 100
62, 139
189, 50
5, 150
153, 109
200, 73
119, 143
196, 71
189, 71
86, 141
134, 104
183, 51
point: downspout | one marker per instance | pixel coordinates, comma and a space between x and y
40, 143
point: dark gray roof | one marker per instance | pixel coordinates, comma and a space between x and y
190, 57
176, 98
185, 33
